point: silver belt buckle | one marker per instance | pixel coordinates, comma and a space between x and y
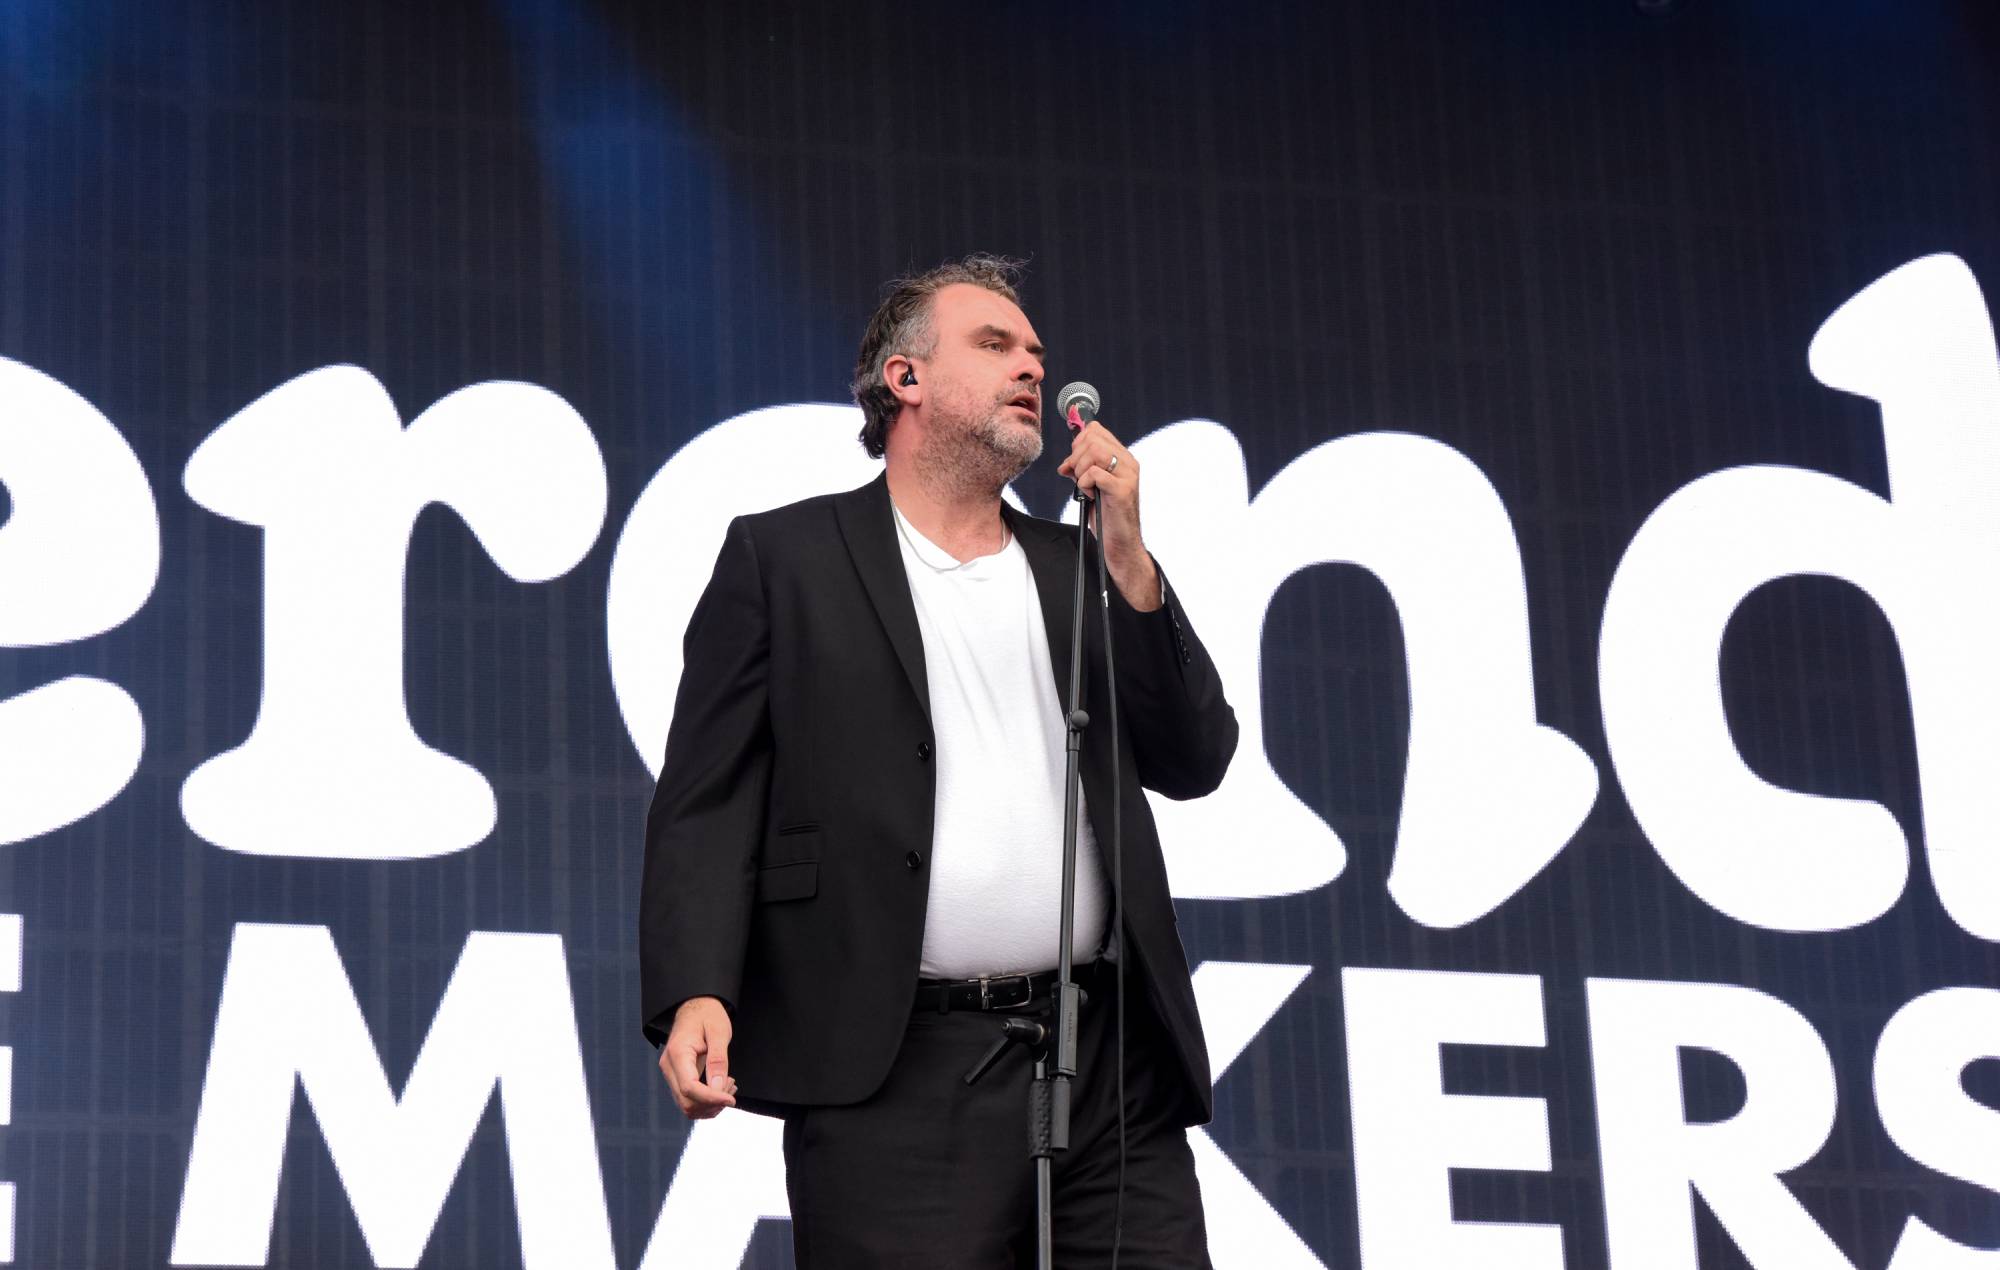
986, 1001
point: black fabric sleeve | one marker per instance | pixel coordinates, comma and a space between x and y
707, 814
1182, 730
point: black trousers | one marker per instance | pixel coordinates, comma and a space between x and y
929, 1173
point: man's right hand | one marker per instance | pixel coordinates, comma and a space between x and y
695, 1058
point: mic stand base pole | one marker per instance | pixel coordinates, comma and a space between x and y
1057, 1066
1041, 1122
1055, 1047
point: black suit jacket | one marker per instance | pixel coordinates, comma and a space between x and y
788, 842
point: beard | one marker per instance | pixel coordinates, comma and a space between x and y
981, 447
1008, 441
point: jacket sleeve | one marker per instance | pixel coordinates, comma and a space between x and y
706, 821
1181, 728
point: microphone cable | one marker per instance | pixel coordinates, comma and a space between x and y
1117, 879
1072, 401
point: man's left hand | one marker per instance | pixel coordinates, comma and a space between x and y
1101, 466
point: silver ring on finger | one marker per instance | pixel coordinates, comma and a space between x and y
1114, 464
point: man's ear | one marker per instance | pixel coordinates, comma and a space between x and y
900, 374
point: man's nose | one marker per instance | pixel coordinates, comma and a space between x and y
1031, 370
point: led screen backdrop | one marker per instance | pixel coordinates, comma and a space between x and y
1575, 430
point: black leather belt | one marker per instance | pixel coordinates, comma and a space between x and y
1002, 992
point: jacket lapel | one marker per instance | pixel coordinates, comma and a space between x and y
1052, 559
868, 524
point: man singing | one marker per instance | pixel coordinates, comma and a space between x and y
853, 858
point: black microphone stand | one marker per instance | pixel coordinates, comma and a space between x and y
1054, 1047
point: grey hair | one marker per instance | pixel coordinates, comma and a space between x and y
903, 326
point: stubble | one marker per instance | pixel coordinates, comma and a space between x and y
980, 449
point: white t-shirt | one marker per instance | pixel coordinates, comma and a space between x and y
996, 849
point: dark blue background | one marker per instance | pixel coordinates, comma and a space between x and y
1584, 246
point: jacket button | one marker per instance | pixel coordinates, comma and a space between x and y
924, 753
914, 859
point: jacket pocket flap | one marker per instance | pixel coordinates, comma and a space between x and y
795, 881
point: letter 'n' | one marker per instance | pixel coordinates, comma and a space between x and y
1919, 341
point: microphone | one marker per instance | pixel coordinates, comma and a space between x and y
1078, 404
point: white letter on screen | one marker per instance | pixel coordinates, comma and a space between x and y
10, 981
1920, 1094
730, 1176
1490, 795
1654, 1160
1409, 1134
332, 767
79, 554
1920, 342
288, 1014
1236, 999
